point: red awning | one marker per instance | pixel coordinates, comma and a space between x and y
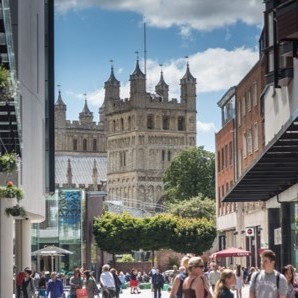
231, 252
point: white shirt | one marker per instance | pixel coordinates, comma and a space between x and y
107, 279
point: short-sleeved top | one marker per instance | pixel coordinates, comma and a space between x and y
264, 284
75, 281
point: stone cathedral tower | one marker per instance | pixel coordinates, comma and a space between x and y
144, 132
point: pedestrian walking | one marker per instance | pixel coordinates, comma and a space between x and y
157, 281
289, 272
55, 286
28, 288
225, 284
268, 282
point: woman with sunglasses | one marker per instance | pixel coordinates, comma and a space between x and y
196, 285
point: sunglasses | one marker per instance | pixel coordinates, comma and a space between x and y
199, 266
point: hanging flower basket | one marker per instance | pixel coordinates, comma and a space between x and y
15, 211
8, 162
11, 191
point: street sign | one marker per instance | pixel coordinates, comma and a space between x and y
249, 232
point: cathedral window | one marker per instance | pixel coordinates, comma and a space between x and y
169, 155
129, 123
114, 125
75, 144
163, 155
166, 122
122, 124
84, 145
150, 121
94, 145
181, 123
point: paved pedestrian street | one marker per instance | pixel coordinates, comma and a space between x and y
165, 294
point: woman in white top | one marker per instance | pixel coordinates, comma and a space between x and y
239, 281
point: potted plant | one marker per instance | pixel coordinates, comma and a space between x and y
8, 162
9, 191
15, 211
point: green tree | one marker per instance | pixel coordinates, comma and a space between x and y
191, 172
197, 207
122, 233
117, 233
193, 235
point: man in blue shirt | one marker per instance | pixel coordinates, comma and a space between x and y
55, 286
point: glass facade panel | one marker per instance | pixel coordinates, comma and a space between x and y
63, 227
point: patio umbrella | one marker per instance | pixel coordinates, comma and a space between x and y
231, 252
51, 251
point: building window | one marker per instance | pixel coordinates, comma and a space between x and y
122, 124
222, 159
129, 123
75, 145
230, 153
255, 94
166, 122
248, 100
163, 155
114, 125
239, 113
243, 106
249, 141
150, 121
218, 161
84, 145
181, 123
244, 143
256, 137
226, 156
169, 155
94, 145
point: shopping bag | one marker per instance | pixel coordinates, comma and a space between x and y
81, 293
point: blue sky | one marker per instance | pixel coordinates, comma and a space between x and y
220, 38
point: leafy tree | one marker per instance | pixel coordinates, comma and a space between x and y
116, 233
122, 233
193, 236
191, 172
197, 207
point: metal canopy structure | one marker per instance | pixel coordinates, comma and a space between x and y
273, 172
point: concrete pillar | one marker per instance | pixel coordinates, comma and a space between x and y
6, 249
26, 243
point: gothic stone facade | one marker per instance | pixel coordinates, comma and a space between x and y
139, 136
144, 133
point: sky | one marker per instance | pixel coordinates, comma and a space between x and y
219, 37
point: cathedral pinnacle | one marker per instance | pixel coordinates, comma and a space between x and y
86, 108
188, 76
59, 101
137, 72
161, 80
112, 79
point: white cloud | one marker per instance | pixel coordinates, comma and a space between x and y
215, 70
196, 14
205, 127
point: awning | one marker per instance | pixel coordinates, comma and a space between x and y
230, 252
274, 171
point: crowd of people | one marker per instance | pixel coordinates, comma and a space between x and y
193, 279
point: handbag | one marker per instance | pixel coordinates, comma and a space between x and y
81, 293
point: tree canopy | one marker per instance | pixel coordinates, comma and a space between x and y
122, 233
190, 173
197, 207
